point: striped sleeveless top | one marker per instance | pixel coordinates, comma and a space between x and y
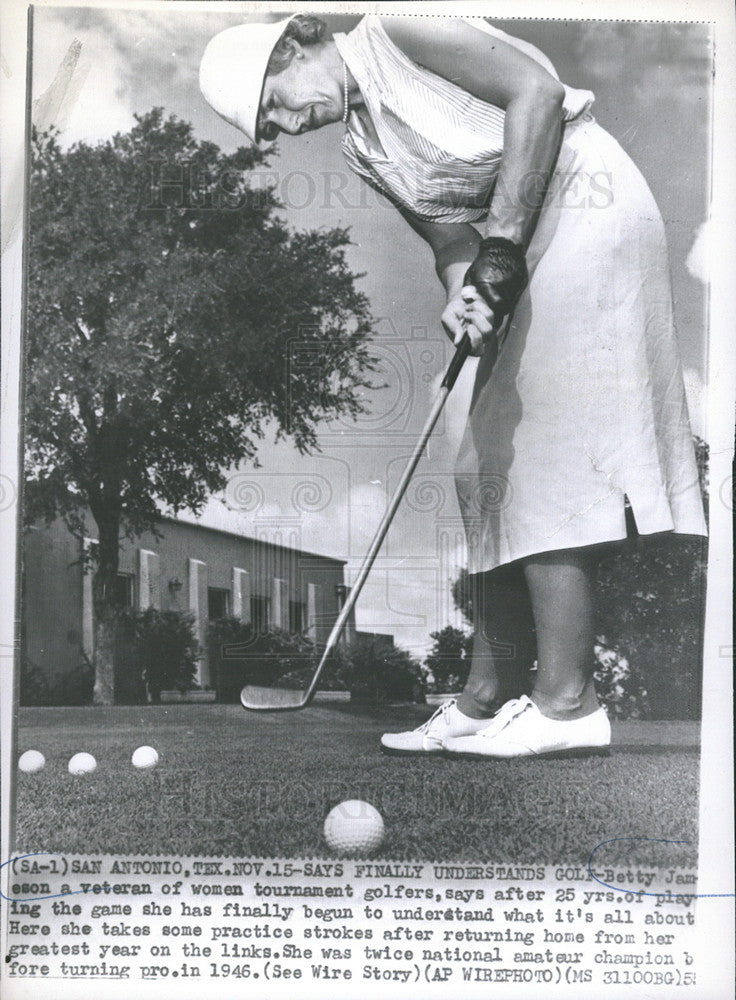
425, 143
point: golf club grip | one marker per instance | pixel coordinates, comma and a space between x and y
462, 352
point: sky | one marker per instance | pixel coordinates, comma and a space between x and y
652, 86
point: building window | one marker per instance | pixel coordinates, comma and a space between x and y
125, 590
296, 617
218, 603
259, 613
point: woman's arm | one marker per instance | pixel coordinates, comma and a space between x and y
455, 245
496, 72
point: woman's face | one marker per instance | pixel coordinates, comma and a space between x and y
300, 98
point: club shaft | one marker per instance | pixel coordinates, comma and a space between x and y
380, 534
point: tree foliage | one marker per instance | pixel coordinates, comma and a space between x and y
166, 302
448, 661
462, 595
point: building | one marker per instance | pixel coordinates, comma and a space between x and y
205, 571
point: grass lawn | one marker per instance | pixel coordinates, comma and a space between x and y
242, 784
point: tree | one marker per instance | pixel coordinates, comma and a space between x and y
172, 318
462, 595
449, 658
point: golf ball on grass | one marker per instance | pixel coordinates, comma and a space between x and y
82, 763
354, 829
31, 761
144, 758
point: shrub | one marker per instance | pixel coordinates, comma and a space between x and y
35, 688
618, 686
448, 662
76, 686
71, 688
240, 655
651, 603
374, 670
300, 677
166, 649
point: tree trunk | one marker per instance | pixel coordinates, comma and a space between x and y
103, 592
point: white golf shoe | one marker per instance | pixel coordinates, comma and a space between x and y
430, 737
519, 729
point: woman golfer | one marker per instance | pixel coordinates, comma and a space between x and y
563, 291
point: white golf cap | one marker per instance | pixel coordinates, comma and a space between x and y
233, 69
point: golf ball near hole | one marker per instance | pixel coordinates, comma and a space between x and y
144, 758
82, 763
31, 761
354, 829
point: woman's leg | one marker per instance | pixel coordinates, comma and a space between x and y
561, 590
503, 652
504, 646
563, 715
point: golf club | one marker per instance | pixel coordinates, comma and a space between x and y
274, 699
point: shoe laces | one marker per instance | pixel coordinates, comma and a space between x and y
506, 714
440, 713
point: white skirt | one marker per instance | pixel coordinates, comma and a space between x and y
586, 403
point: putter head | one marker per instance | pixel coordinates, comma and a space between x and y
271, 699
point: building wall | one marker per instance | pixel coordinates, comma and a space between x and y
172, 572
